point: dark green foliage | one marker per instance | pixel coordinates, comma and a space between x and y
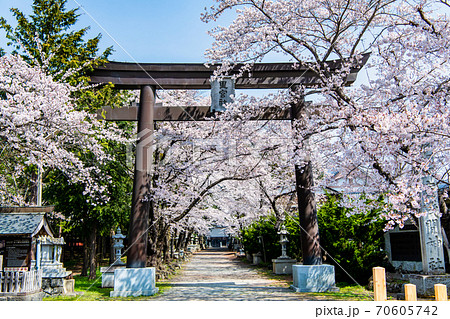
294, 246
354, 241
47, 37
81, 214
261, 236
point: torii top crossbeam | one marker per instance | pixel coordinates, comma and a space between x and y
197, 76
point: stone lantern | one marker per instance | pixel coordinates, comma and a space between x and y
283, 264
108, 272
118, 245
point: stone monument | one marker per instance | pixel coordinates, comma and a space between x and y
283, 264
432, 248
257, 258
313, 278
431, 242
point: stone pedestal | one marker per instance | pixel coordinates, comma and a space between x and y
108, 275
193, 248
69, 287
134, 282
425, 283
283, 266
54, 286
54, 278
314, 278
26, 296
257, 259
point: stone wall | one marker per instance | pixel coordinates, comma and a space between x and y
34, 296
53, 286
58, 286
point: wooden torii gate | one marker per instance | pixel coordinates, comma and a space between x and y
148, 77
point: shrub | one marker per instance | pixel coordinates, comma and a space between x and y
354, 240
261, 236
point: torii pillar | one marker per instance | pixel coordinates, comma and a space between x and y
307, 211
140, 205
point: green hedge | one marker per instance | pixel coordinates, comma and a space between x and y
354, 241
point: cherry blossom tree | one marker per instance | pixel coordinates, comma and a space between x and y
388, 135
77, 180
40, 127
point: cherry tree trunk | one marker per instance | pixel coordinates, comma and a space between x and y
153, 234
187, 240
307, 215
180, 240
93, 252
112, 253
166, 248
84, 269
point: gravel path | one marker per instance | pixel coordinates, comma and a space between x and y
216, 274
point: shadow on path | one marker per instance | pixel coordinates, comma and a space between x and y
216, 274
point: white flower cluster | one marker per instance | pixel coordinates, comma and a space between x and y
39, 126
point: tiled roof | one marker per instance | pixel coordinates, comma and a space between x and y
19, 223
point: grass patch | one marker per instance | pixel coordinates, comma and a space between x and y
347, 292
91, 290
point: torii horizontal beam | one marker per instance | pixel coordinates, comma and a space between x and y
197, 76
181, 113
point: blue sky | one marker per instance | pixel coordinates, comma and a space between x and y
148, 30
152, 31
